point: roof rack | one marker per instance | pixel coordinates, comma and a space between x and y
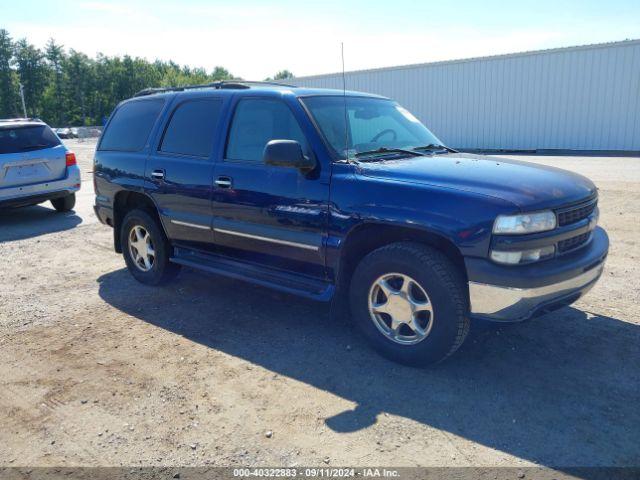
222, 84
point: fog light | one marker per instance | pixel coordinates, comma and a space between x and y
522, 256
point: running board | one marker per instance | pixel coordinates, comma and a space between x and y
276, 279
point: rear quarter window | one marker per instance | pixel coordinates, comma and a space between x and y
131, 125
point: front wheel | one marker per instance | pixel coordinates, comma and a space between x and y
146, 250
410, 301
64, 204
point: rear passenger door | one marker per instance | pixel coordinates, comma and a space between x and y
179, 171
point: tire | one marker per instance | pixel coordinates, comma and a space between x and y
157, 269
64, 204
437, 291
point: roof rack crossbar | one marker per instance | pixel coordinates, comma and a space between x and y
240, 84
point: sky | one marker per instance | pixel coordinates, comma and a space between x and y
255, 39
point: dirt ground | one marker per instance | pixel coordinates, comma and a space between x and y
96, 369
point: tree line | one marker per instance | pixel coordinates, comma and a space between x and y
69, 88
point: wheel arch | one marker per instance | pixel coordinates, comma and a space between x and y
125, 201
367, 237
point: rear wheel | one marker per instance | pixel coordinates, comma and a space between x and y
146, 250
410, 301
64, 204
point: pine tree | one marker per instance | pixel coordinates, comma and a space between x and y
54, 54
281, 75
32, 71
70, 88
8, 92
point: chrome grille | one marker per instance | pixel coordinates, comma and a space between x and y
576, 213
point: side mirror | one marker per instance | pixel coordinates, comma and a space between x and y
287, 153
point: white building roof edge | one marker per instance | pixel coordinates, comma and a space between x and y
593, 46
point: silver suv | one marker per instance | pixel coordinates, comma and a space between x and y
35, 166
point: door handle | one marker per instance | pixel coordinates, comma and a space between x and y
223, 182
158, 174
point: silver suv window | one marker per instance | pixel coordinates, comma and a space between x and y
26, 138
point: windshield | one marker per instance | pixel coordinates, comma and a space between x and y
372, 124
26, 138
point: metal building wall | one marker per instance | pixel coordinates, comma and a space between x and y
576, 98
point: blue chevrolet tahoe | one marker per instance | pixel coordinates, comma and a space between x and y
344, 197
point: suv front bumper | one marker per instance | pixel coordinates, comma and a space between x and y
516, 293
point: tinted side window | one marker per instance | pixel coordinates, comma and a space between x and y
192, 127
130, 126
255, 123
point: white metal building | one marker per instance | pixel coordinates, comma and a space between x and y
576, 98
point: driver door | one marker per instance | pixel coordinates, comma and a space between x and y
272, 216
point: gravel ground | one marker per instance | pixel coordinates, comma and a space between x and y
96, 369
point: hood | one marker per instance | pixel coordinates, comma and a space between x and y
527, 185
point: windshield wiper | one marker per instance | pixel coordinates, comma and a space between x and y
384, 150
433, 147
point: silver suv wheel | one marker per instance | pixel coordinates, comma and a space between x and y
400, 308
141, 248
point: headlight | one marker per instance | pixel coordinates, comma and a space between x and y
523, 256
524, 223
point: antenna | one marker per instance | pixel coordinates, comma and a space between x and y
344, 97
24, 108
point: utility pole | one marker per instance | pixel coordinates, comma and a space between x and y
24, 108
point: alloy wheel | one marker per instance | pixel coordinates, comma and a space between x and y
141, 248
400, 308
